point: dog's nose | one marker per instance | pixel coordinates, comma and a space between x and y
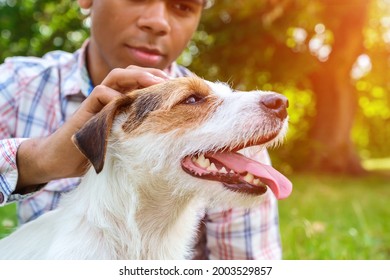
276, 103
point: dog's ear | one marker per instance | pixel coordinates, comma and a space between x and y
92, 138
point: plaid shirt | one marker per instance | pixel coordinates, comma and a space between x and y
37, 95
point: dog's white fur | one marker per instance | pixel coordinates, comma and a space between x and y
142, 205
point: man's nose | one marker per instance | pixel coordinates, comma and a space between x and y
155, 19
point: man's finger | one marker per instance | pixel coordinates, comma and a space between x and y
100, 97
132, 78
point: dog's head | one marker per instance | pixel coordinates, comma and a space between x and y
188, 130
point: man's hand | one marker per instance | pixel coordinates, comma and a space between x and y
41, 160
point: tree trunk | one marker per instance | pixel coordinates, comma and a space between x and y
336, 97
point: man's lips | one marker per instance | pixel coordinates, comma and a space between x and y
145, 56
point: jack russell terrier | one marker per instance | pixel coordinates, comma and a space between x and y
160, 156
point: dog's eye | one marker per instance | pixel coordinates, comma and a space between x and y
193, 99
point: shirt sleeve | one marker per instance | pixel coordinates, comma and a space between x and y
245, 234
8, 169
8, 144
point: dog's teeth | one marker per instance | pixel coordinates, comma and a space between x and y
212, 167
257, 182
231, 171
223, 170
203, 162
249, 177
207, 162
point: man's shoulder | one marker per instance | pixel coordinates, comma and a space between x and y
30, 67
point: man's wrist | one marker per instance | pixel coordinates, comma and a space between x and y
32, 173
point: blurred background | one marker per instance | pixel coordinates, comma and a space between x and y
331, 58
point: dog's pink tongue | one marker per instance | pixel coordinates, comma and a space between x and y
276, 181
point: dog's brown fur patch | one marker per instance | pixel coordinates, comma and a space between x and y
170, 112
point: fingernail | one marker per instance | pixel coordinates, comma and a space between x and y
157, 78
167, 76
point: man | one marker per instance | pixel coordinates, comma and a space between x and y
133, 44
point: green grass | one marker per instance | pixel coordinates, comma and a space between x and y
324, 218
336, 218
8, 220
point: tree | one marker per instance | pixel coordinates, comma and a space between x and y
336, 95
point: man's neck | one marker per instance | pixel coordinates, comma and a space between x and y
97, 68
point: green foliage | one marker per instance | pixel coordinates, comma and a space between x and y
34, 27
248, 45
371, 132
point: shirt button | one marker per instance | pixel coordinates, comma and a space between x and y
1, 197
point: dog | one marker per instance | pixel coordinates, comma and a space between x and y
159, 156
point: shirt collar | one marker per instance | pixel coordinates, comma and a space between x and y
74, 75
86, 85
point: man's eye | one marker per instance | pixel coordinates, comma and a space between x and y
183, 8
193, 99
